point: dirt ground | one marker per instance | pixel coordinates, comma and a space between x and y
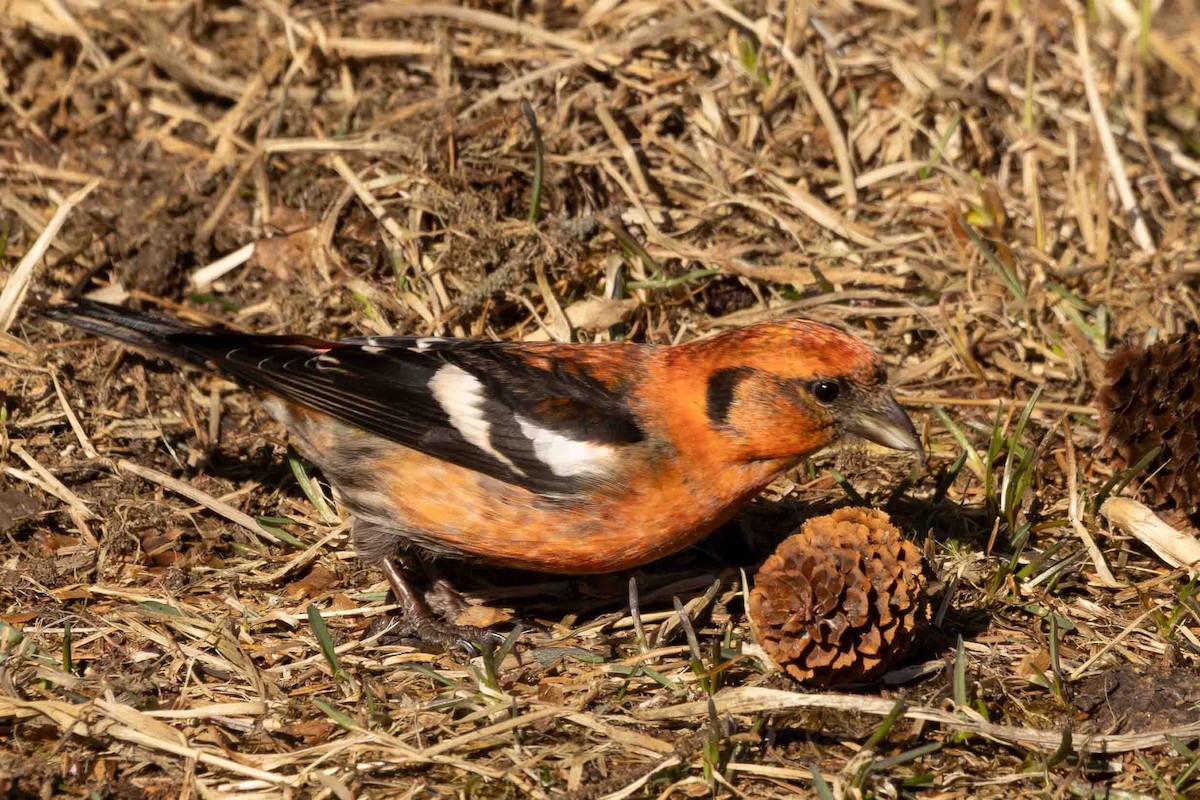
993, 194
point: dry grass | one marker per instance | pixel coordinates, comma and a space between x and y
993, 193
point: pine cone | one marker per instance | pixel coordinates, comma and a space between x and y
1151, 398
840, 601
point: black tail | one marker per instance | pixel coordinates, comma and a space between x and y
132, 327
243, 356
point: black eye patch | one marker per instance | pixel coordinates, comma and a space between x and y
722, 387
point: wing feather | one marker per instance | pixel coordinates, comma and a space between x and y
511, 411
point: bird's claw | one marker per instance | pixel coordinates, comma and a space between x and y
470, 639
418, 620
382, 626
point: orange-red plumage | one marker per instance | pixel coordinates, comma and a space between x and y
562, 458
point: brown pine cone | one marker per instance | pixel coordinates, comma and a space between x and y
840, 601
1151, 398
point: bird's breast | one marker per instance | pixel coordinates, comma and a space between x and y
654, 514
654, 505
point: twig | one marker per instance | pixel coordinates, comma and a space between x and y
837, 139
754, 700
618, 47
1079, 671
79, 511
94, 52
621, 794
196, 495
439, 297
618, 138
1141, 233
107, 719
1160, 45
73, 420
203, 277
984, 402
822, 214
808, 79
18, 282
560, 326
491, 730
1089, 543
58, 488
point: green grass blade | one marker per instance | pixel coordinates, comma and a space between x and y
310, 489
820, 785
342, 719
973, 460
1121, 479
535, 199
908, 755
321, 631
66, 648
886, 725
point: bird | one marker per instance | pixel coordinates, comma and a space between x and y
560, 458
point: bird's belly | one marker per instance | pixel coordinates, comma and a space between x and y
413, 498
457, 510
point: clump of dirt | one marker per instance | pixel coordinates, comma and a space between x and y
15, 506
1128, 699
725, 295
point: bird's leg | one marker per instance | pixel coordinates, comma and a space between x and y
421, 620
446, 600
442, 596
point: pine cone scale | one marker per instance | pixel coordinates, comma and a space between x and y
841, 600
1149, 400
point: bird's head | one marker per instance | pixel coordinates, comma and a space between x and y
782, 390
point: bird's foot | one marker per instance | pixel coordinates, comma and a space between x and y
446, 601
417, 619
437, 631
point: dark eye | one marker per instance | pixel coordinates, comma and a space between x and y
826, 391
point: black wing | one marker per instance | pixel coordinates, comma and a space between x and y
508, 410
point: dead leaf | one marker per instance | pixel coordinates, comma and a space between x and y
51, 543
114, 293
285, 256
317, 581
310, 731
1177, 548
342, 602
1034, 664
158, 547
551, 693
598, 313
482, 616
286, 219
